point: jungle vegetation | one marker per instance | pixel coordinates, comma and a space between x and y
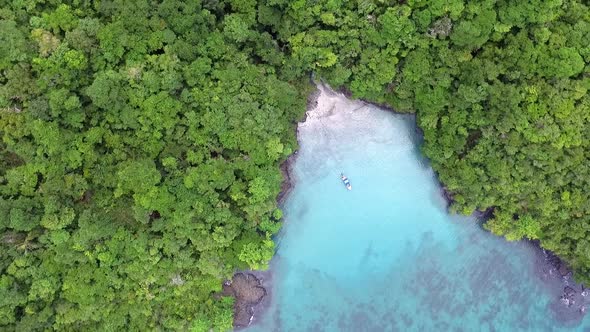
141, 140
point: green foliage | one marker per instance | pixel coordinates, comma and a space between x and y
13, 45
140, 151
257, 255
499, 88
141, 140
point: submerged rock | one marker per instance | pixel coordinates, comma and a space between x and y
568, 296
571, 301
570, 307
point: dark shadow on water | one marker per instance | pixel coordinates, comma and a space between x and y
416, 137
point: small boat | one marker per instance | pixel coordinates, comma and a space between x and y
345, 181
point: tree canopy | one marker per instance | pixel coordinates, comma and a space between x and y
500, 91
140, 150
141, 139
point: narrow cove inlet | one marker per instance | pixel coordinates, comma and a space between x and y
386, 256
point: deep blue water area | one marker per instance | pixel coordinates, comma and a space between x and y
386, 256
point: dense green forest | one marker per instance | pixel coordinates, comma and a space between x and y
141, 140
140, 151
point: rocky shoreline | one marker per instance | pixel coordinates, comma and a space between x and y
287, 184
248, 291
251, 288
286, 166
571, 299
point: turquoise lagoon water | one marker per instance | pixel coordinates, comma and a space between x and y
386, 256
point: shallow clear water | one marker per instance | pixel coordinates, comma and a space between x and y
386, 256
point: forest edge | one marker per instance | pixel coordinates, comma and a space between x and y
251, 289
